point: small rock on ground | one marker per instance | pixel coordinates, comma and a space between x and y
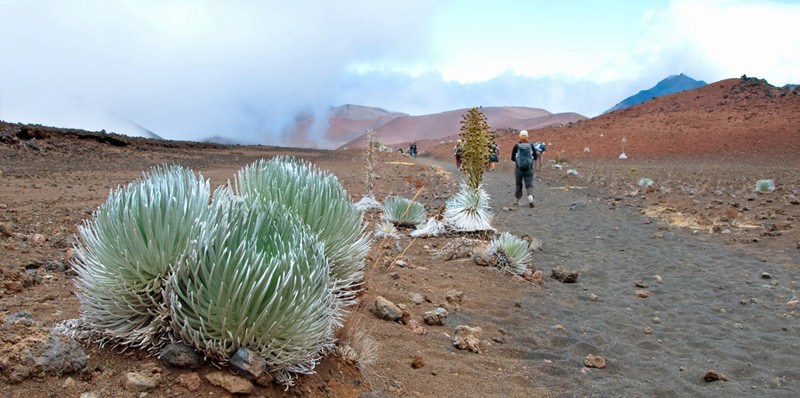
190, 381
593, 361
230, 383
564, 276
713, 375
181, 356
468, 338
248, 363
435, 317
387, 310
144, 380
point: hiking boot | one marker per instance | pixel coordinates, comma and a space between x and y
530, 200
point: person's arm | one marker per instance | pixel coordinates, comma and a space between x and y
514, 153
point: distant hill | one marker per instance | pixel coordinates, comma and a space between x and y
218, 139
429, 129
347, 122
738, 117
341, 124
670, 85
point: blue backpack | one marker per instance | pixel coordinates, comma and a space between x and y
524, 157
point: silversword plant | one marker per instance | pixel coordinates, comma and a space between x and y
240, 286
510, 253
319, 200
403, 212
127, 252
468, 210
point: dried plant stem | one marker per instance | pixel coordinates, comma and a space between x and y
370, 155
401, 254
412, 201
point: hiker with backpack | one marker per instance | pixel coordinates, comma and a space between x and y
457, 152
523, 155
494, 156
540, 148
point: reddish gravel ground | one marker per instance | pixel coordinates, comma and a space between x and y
704, 150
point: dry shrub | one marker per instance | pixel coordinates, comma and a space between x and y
354, 344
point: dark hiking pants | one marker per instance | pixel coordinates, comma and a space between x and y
526, 175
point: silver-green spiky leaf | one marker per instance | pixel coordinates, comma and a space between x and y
127, 251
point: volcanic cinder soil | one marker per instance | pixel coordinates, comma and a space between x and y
687, 287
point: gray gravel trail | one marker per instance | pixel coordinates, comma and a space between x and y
710, 307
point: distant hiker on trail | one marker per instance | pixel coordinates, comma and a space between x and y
457, 152
412, 150
523, 155
540, 148
494, 155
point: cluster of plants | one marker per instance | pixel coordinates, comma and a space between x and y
270, 264
468, 210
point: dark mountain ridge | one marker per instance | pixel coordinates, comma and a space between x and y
670, 85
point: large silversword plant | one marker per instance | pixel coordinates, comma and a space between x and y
319, 200
127, 251
257, 278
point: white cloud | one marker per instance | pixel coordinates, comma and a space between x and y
243, 69
191, 69
722, 39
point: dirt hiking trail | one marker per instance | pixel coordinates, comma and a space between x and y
708, 306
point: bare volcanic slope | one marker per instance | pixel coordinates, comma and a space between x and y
339, 125
428, 130
729, 118
347, 122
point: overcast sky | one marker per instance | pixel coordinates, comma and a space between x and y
244, 69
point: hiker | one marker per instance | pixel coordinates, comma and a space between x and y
540, 148
412, 150
457, 152
494, 155
523, 155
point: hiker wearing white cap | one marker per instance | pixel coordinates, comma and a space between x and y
523, 155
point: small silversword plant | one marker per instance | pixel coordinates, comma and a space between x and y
403, 212
468, 210
510, 253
